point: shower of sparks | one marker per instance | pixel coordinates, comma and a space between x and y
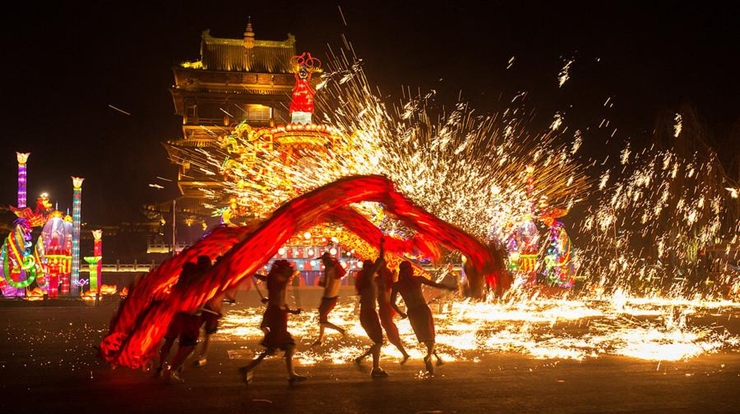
678, 126
656, 329
649, 229
564, 74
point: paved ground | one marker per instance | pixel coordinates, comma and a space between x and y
47, 365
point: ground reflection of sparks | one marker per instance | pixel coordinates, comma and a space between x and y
656, 329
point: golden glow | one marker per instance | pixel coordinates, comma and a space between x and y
22, 157
655, 329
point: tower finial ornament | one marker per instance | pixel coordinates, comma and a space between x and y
249, 34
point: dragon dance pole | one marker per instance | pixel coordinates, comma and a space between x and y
76, 220
22, 178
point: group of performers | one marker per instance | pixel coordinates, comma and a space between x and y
377, 292
185, 326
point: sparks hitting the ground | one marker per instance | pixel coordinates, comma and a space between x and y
650, 329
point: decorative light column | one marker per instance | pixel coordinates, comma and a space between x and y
66, 259
96, 261
76, 220
22, 178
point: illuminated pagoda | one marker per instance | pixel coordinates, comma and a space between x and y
235, 80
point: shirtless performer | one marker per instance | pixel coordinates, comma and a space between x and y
184, 326
419, 314
211, 314
275, 322
385, 310
333, 274
368, 291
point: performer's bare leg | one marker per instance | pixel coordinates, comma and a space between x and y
175, 369
399, 345
375, 352
322, 330
292, 376
163, 353
359, 359
247, 369
332, 326
440, 362
183, 352
428, 357
204, 351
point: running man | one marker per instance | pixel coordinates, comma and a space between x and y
385, 310
185, 327
368, 291
211, 314
275, 322
333, 274
418, 312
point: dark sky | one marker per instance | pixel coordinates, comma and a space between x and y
63, 65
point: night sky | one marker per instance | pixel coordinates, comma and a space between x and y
64, 65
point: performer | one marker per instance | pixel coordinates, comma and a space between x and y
368, 291
185, 327
385, 310
275, 322
419, 314
210, 316
333, 274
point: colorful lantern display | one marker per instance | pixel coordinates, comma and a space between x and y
49, 264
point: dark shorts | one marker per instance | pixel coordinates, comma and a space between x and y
422, 322
327, 304
186, 327
275, 321
210, 322
370, 322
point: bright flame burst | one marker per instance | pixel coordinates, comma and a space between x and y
648, 220
655, 329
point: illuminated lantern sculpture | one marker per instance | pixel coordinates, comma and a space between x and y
96, 261
22, 178
528, 257
76, 220
18, 263
54, 238
559, 266
523, 248
301, 106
